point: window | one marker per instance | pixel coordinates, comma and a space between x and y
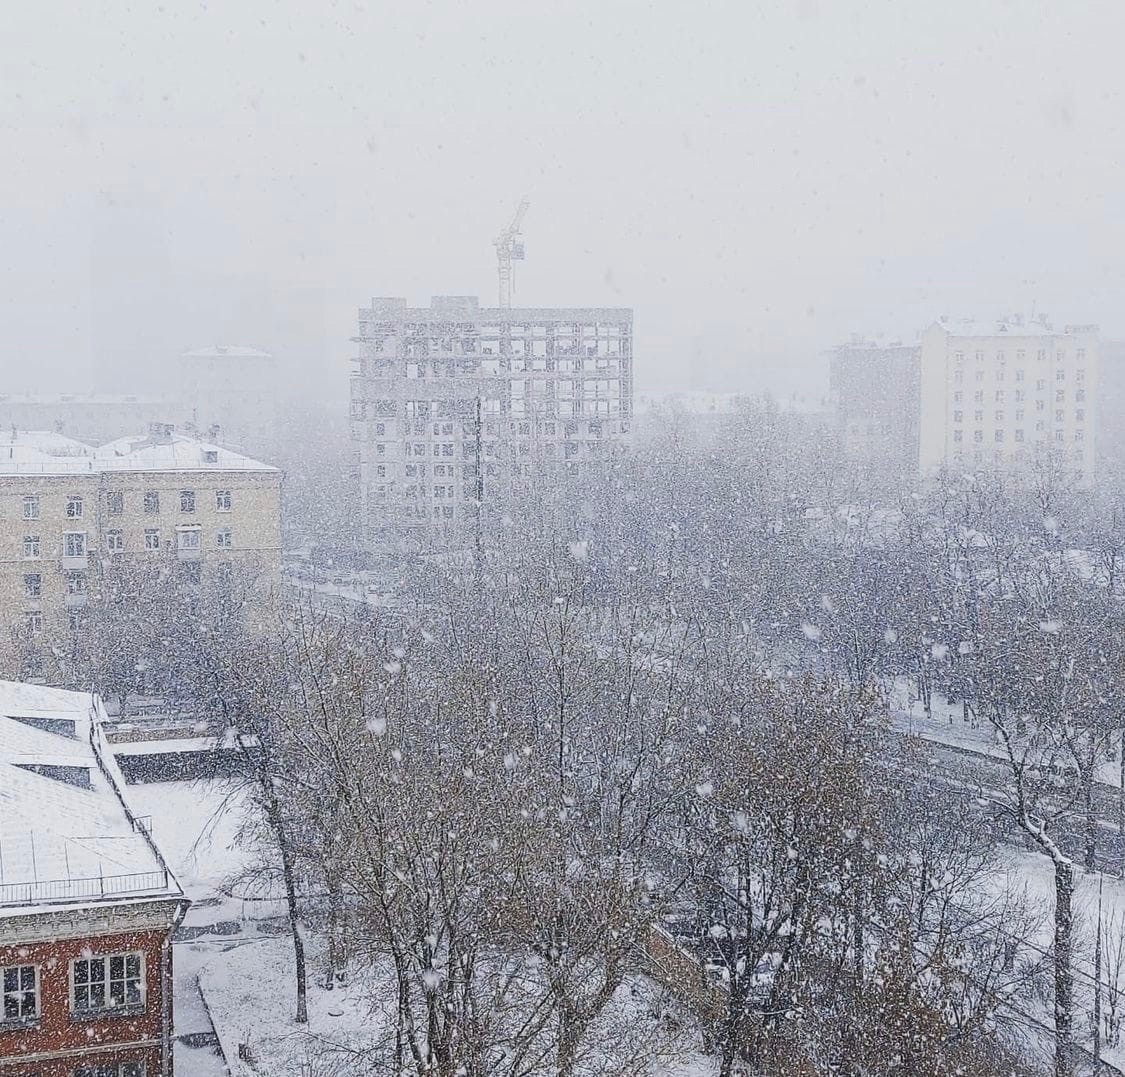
998, 435
112, 982
978, 396
1019, 435
1080, 415
224, 540
74, 507
21, 993
957, 416
958, 397
31, 507
31, 547
222, 501
978, 435
1060, 375
74, 544
115, 502
115, 540
1019, 375
1060, 395
33, 585
188, 538
152, 502
210, 456
999, 396
152, 539
1040, 385
957, 435
75, 619
33, 622
1059, 415
187, 501
76, 583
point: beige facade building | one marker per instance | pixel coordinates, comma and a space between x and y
1003, 393
455, 405
69, 513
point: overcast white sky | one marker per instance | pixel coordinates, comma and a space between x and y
757, 180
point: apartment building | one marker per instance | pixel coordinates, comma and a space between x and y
87, 903
875, 389
70, 512
1001, 393
229, 392
455, 406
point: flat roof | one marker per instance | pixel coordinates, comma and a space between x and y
68, 835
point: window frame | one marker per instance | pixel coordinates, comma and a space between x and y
31, 507
22, 1019
187, 502
75, 506
68, 551
108, 1010
224, 501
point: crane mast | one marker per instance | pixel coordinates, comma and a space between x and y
509, 249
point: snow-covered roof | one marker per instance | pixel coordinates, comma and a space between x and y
67, 833
85, 399
41, 453
226, 351
1007, 327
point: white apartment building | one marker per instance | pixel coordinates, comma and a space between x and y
454, 405
1001, 393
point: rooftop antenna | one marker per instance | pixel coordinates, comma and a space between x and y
508, 249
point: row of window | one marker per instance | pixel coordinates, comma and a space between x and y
115, 503
1021, 355
999, 373
98, 985
1060, 415
999, 436
74, 542
1019, 395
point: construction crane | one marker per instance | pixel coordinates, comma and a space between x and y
508, 249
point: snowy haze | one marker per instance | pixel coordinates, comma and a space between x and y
756, 180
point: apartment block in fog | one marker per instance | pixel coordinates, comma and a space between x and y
970, 395
875, 389
229, 394
69, 512
454, 405
88, 905
1002, 393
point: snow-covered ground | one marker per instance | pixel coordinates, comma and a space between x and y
196, 826
947, 725
249, 987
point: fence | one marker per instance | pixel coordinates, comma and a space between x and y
87, 889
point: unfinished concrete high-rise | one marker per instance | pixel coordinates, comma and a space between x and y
455, 406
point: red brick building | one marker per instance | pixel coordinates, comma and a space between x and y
87, 903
